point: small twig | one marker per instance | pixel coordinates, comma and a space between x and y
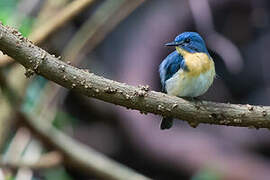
48, 160
140, 98
77, 155
61, 18
17, 145
48, 28
5, 108
95, 29
48, 10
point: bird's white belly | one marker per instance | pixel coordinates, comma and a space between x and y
185, 86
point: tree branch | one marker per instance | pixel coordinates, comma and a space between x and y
38, 60
95, 29
61, 18
75, 154
54, 23
78, 155
48, 160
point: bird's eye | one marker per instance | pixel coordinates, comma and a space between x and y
187, 40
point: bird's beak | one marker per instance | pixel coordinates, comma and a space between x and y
173, 44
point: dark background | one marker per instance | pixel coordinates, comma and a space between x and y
237, 34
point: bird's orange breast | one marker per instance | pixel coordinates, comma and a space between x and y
197, 63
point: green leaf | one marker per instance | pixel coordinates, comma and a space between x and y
57, 174
26, 26
33, 94
206, 174
63, 119
5, 14
8, 4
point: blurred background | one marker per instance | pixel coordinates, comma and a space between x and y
124, 40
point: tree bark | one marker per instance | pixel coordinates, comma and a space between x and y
35, 59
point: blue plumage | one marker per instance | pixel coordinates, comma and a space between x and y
191, 42
187, 72
170, 65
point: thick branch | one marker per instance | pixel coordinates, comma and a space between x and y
78, 155
75, 154
33, 57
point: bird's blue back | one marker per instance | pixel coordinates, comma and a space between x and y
170, 65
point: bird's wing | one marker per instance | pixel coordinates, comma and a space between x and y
169, 66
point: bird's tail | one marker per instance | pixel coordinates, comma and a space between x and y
166, 123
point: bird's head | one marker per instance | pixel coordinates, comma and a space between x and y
191, 42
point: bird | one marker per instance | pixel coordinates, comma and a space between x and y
188, 71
